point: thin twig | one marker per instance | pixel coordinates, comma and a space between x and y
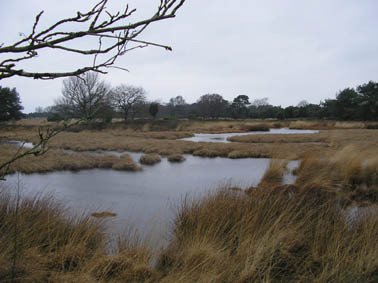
54, 38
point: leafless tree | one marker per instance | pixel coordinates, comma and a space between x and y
85, 94
115, 32
175, 105
126, 97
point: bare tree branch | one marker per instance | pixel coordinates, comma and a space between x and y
38, 149
99, 23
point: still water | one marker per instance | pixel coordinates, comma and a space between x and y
223, 137
145, 200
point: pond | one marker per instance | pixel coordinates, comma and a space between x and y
223, 137
146, 200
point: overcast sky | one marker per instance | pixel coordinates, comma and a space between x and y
286, 50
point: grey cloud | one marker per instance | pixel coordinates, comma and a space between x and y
286, 50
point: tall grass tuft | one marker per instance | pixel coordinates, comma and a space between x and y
56, 245
274, 174
351, 170
126, 163
150, 159
49, 240
284, 234
281, 234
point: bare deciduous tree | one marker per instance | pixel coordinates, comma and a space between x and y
114, 31
85, 94
126, 97
175, 105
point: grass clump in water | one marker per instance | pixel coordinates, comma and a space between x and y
150, 159
236, 154
126, 163
274, 174
176, 158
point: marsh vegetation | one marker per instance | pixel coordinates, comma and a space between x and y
257, 230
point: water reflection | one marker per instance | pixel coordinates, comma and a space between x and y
142, 197
145, 199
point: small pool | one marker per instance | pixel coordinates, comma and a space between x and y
146, 200
223, 137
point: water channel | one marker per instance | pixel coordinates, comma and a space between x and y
224, 136
148, 200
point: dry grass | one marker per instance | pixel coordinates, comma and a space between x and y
350, 125
273, 235
281, 234
329, 125
318, 125
247, 127
352, 170
128, 265
372, 126
38, 122
41, 242
274, 174
126, 163
103, 214
164, 143
225, 126
280, 138
150, 159
235, 154
57, 160
162, 135
177, 158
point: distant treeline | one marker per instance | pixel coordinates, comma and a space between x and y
128, 102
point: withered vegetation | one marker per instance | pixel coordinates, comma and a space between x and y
323, 228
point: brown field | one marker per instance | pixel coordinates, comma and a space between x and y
304, 232
322, 137
57, 159
138, 138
